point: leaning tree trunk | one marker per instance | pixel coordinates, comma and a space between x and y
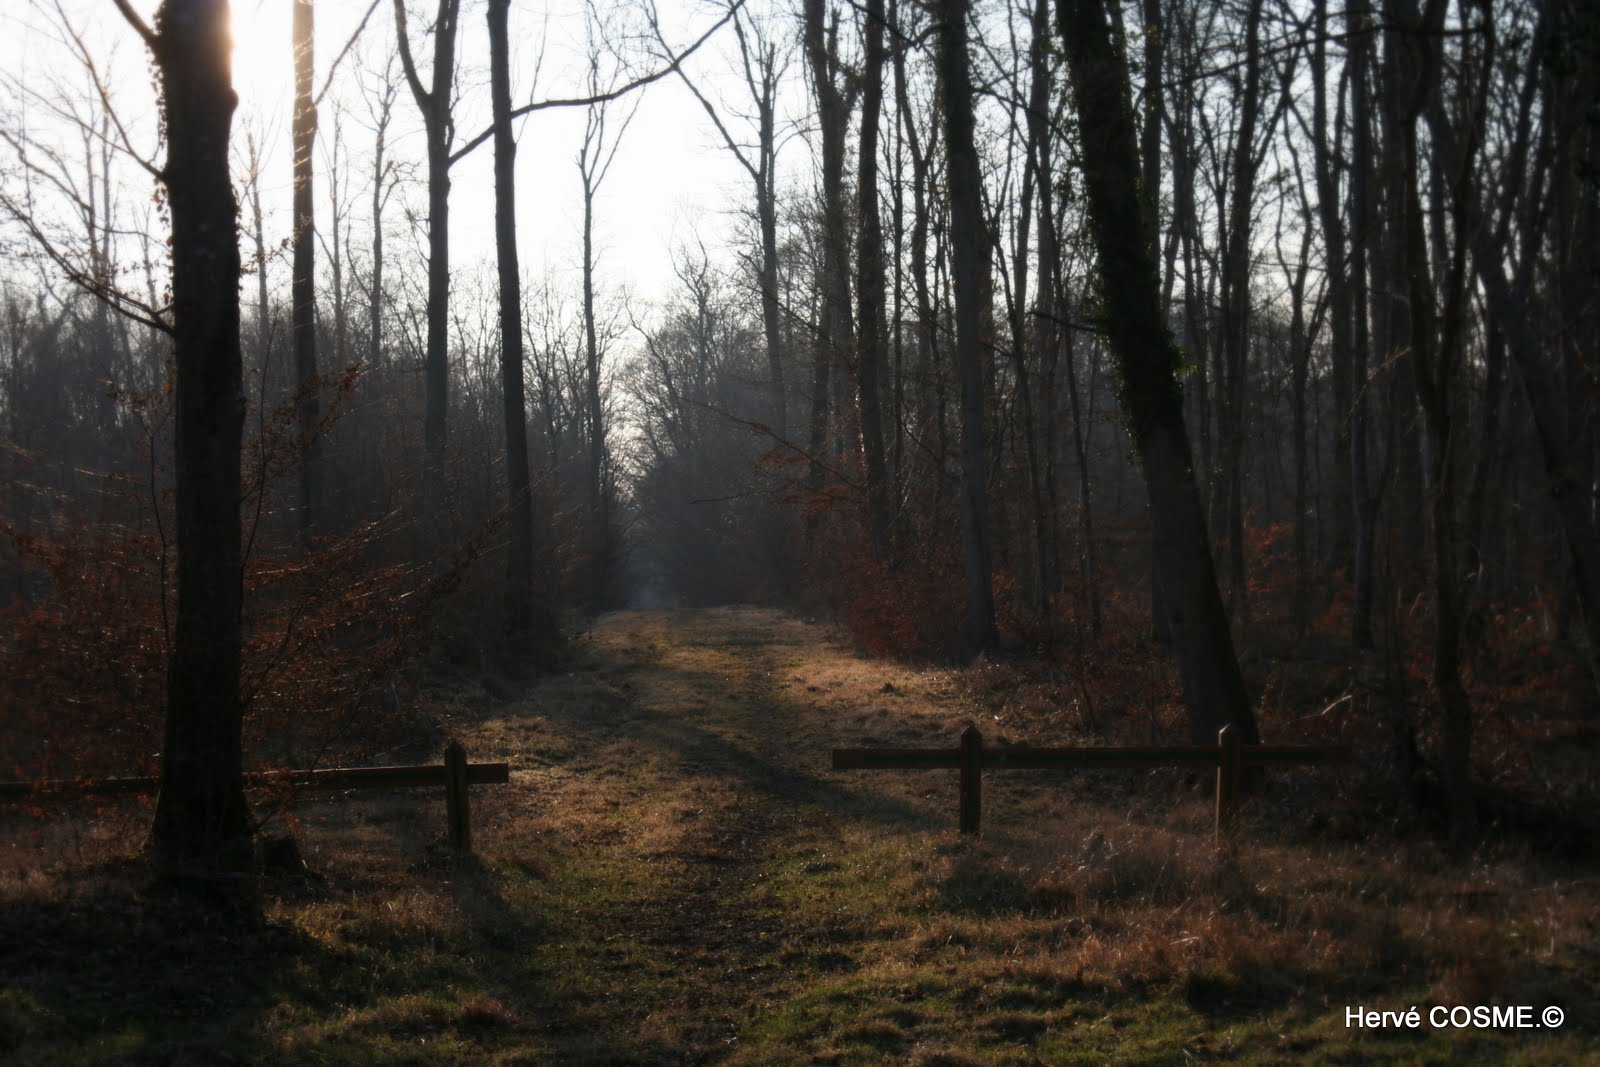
202, 820
1214, 689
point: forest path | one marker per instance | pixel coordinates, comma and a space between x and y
673, 792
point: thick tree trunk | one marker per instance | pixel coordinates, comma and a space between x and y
202, 821
1214, 689
966, 190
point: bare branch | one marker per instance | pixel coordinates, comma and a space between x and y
599, 98
151, 40
328, 83
424, 98
711, 111
86, 58
99, 288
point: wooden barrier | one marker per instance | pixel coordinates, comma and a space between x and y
971, 757
455, 774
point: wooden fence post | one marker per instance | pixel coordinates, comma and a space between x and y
1230, 760
455, 794
971, 780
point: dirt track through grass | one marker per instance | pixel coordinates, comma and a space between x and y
699, 770
675, 875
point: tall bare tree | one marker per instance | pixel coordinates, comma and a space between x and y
835, 93
519, 552
303, 287
202, 821
928, 393
966, 212
1435, 339
1214, 689
599, 149
1326, 135
1234, 362
1364, 493
763, 66
1506, 241
434, 101
871, 327
385, 179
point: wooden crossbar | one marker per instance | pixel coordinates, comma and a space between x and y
454, 774
319, 781
971, 757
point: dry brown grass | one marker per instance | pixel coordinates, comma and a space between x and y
675, 874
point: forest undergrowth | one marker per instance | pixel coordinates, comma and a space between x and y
675, 874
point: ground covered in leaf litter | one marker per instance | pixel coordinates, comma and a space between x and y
675, 875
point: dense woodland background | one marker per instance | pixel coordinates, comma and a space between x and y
881, 389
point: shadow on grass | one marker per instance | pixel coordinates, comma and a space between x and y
527, 998
793, 772
113, 968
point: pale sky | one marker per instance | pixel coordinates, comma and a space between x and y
671, 175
